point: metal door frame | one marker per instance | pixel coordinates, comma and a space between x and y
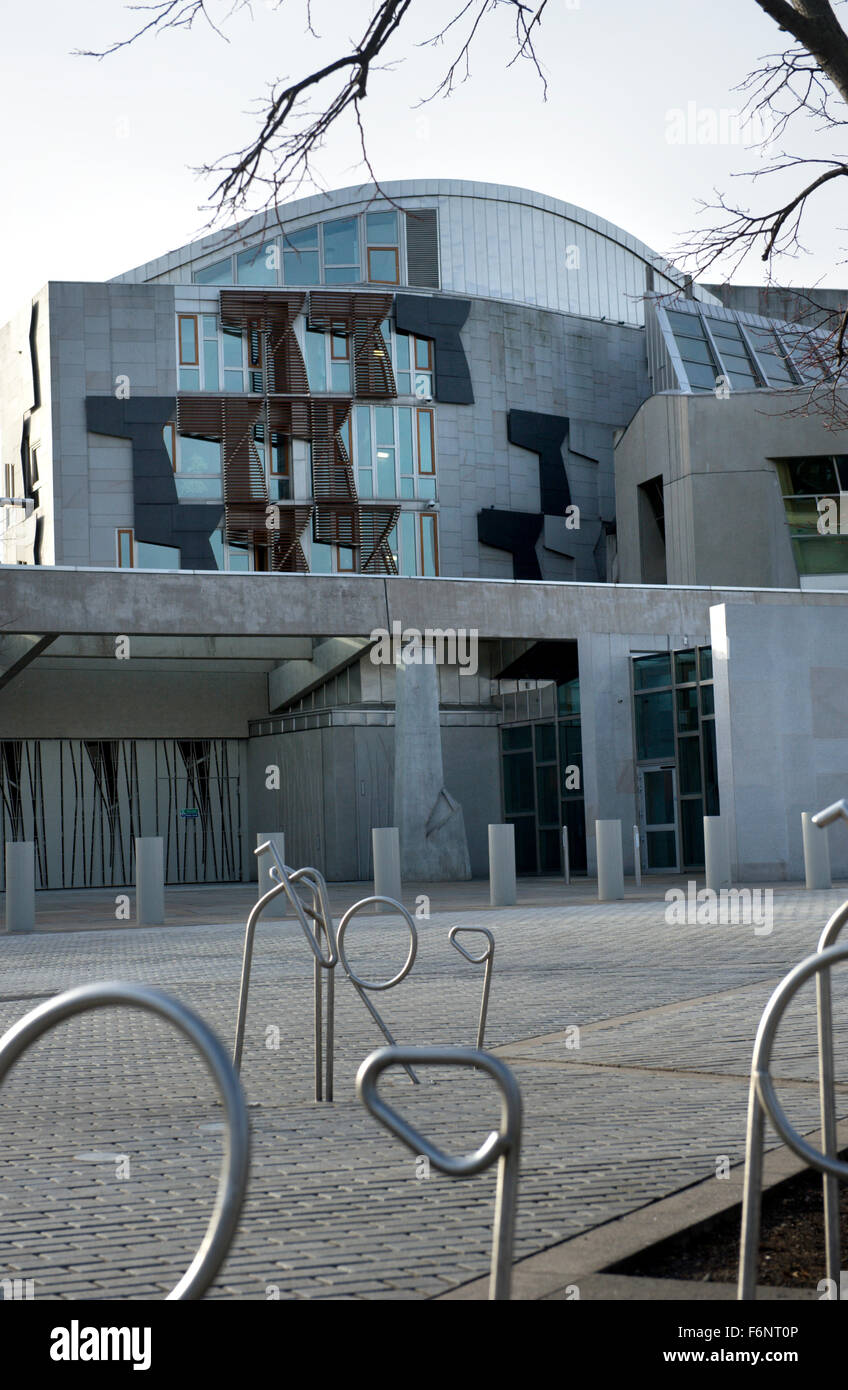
661, 765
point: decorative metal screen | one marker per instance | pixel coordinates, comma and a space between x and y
83, 802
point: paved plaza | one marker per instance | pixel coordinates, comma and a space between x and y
110, 1125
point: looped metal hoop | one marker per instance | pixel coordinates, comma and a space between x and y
232, 1182
482, 931
413, 944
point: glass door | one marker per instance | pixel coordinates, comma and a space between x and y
658, 819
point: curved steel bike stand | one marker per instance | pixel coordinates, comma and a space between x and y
762, 1101
362, 985
487, 959
503, 1144
232, 1182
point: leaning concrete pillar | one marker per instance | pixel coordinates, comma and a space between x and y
716, 854
502, 890
385, 845
20, 886
150, 880
816, 853
430, 823
610, 860
277, 906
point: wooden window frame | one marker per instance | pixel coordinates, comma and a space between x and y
372, 280
435, 520
125, 531
428, 343
344, 569
182, 362
425, 472
287, 451
339, 356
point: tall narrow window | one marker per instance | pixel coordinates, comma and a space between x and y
429, 543
125, 549
255, 355
381, 234
169, 435
426, 446
300, 257
341, 251
188, 340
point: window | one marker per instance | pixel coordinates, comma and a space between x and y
429, 543
414, 366
169, 436
258, 266
383, 265
125, 549
156, 557
233, 358
255, 355
813, 488
426, 449
188, 352
381, 236
341, 251
346, 559
221, 273
699, 362
300, 257
736, 359
280, 467
198, 468
772, 356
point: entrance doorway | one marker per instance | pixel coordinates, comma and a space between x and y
658, 819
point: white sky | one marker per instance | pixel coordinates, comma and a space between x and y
97, 156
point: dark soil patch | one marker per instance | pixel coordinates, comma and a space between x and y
791, 1243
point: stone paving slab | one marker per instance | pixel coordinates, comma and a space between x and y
654, 1094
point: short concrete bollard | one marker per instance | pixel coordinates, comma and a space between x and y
150, 881
385, 846
716, 854
816, 853
278, 906
502, 890
610, 860
20, 886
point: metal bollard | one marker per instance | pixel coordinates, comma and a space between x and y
385, 844
716, 854
637, 857
566, 857
502, 889
150, 881
20, 886
816, 853
277, 906
610, 860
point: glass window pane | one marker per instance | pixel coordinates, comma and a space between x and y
422, 354
366, 482
233, 351
304, 240
654, 726
342, 275
823, 555
383, 267
258, 266
687, 325
693, 351
550, 852
517, 736
384, 421
692, 826
518, 783
574, 819
362, 419
407, 461
706, 655
316, 361
661, 849
301, 268
407, 563
659, 797
321, 558
382, 228
687, 710
200, 489
386, 486
189, 379
188, 340
547, 796
711, 800
651, 671
340, 377
221, 273
199, 455
689, 763
568, 697
238, 557
156, 557
402, 352
341, 243
809, 476
426, 463
210, 364
545, 736
429, 565
125, 549
426, 487
684, 666
707, 699
700, 375
525, 843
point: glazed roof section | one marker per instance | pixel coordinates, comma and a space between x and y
494, 241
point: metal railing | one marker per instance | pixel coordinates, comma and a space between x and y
232, 1182
503, 1145
487, 959
327, 947
762, 1101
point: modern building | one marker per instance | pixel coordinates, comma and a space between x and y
441, 405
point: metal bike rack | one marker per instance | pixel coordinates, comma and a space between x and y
487, 959
827, 1095
762, 1101
503, 1144
324, 935
362, 985
319, 912
232, 1182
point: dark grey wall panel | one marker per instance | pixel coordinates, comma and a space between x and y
439, 318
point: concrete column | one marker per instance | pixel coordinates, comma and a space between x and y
502, 890
20, 886
431, 826
385, 844
150, 880
816, 853
610, 860
278, 906
716, 853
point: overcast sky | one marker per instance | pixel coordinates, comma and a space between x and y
98, 156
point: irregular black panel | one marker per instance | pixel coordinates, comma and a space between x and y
514, 531
544, 435
548, 661
434, 316
159, 517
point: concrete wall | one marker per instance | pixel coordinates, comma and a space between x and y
724, 517
781, 689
